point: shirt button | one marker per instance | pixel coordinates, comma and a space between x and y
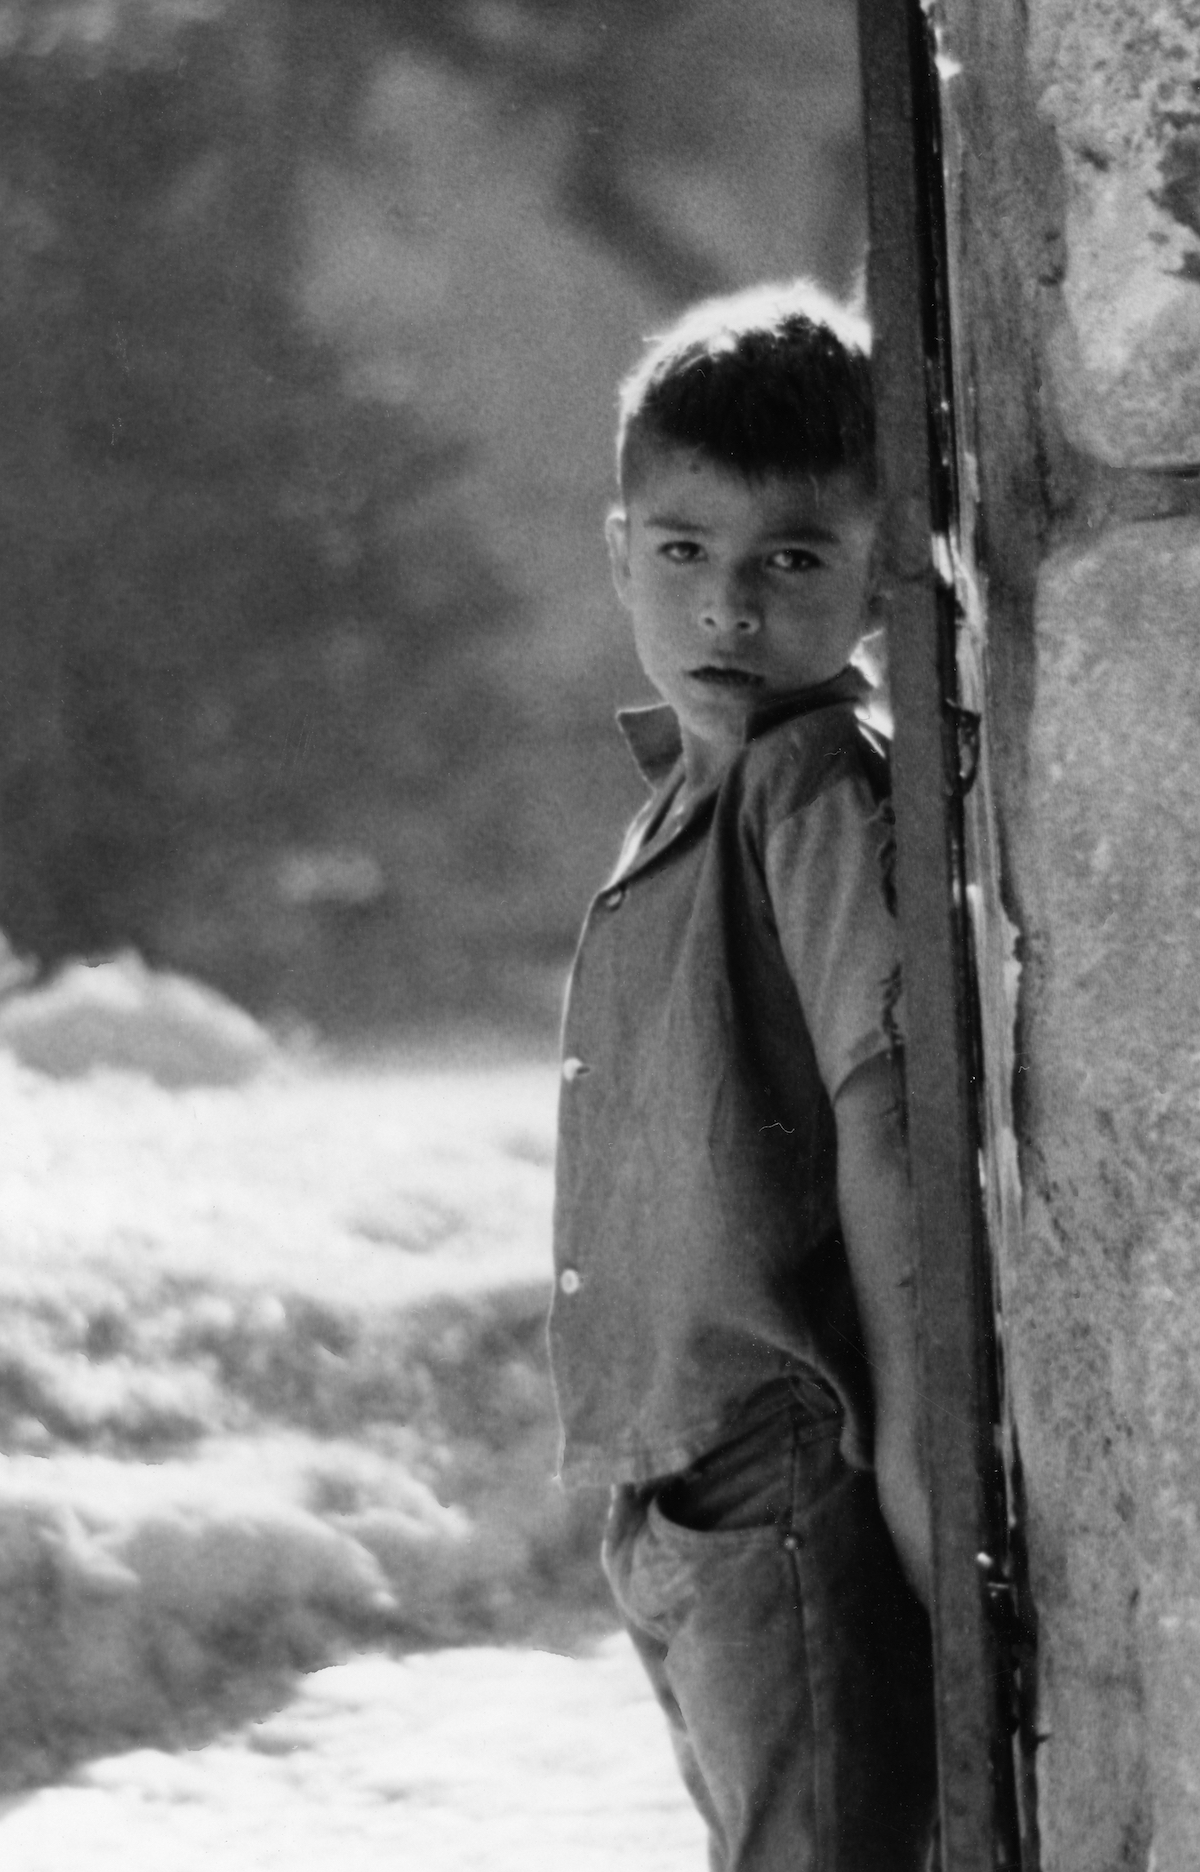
574, 1069
569, 1281
613, 899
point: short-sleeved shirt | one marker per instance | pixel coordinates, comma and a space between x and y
735, 970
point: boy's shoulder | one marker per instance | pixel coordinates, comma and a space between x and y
792, 761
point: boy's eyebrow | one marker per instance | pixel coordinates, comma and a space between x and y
803, 529
674, 523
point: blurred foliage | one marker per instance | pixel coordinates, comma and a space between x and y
260, 712
240, 621
577, 57
235, 611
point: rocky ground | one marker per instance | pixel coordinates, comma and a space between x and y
510, 1759
285, 1576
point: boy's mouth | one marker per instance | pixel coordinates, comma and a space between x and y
726, 676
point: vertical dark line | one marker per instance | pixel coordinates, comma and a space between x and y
912, 367
933, 239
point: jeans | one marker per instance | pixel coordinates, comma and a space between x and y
763, 1594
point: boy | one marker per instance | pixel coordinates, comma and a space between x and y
732, 1333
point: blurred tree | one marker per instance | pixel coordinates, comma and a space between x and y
222, 615
577, 58
253, 656
769, 100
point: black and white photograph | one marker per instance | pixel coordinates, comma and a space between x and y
599, 935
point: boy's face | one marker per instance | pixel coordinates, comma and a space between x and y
741, 592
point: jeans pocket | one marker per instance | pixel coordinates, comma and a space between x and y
667, 1569
761, 1479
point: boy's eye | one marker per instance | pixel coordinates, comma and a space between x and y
794, 559
679, 552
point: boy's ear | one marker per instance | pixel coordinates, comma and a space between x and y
616, 533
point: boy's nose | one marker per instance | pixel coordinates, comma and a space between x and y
731, 611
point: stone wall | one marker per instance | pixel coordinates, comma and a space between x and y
1073, 146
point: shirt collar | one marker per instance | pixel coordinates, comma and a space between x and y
654, 740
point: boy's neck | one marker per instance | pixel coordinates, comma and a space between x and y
705, 761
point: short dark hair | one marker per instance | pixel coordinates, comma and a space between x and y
773, 381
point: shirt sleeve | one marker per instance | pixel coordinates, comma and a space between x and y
828, 868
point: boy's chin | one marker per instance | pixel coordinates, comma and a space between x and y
719, 698
740, 694
713, 679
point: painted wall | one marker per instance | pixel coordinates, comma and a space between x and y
1074, 147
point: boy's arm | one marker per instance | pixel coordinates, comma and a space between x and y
874, 1202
